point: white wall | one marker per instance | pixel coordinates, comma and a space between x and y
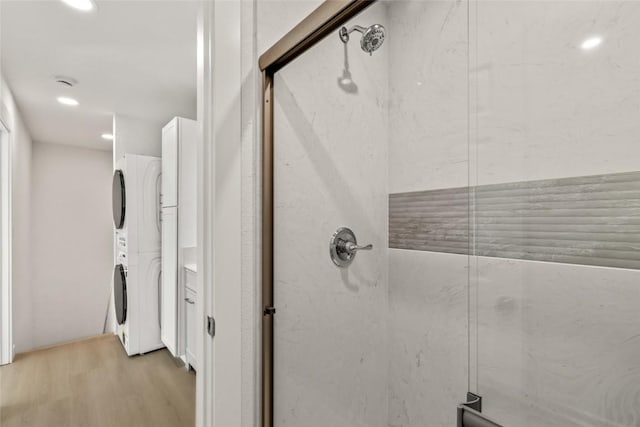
250, 250
136, 136
226, 225
21, 146
71, 242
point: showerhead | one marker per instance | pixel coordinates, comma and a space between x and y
372, 37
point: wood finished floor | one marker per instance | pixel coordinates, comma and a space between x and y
92, 383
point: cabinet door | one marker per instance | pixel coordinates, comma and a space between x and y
170, 164
190, 303
188, 182
169, 309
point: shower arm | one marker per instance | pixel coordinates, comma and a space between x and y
344, 33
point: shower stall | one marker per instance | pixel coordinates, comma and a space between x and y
452, 205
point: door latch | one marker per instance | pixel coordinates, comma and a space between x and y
269, 311
211, 326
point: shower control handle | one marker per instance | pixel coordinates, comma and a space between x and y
353, 248
343, 247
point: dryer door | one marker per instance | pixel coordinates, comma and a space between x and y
119, 199
120, 293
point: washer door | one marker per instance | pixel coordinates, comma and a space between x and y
120, 293
119, 199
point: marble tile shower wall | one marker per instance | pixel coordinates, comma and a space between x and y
428, 149
593, 220
557, 342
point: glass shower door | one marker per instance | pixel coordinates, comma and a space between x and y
379, 144
330, 330
555, 101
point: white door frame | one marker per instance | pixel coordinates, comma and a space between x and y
6, 328
219, 390
206, 214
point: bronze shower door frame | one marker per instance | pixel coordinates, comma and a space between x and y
328, 17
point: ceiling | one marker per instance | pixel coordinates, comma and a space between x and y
136, 58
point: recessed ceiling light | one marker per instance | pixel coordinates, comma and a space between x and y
591, 42
107, 136
67, 101
83, 5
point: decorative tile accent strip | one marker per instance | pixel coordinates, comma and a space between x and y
592, 220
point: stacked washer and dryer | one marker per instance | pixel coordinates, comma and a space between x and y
137, 273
